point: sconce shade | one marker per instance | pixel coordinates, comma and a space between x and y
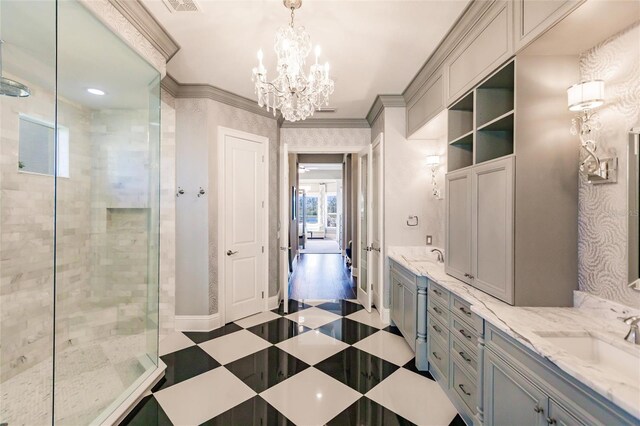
585, 95
433, 160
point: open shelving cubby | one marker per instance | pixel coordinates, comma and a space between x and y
494, 115
460, 133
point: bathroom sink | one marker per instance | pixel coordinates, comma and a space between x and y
600, 353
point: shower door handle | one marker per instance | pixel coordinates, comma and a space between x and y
231, 252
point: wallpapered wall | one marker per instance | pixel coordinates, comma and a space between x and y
327, 137
602, 267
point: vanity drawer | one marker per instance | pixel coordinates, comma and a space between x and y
438, 293
438, 331
462, 309
464, 386
439, 357
464, 355
438, 311
464, 332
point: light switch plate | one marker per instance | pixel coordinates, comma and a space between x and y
429, 240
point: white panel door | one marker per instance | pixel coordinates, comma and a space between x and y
285, 208
377, 236
365, 228
244, 228
458, 225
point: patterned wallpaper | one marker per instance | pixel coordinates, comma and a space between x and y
602, 228
325, 137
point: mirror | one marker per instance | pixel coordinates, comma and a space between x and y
634, 209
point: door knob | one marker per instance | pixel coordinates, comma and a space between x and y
231, 252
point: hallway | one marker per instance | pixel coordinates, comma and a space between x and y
321, 276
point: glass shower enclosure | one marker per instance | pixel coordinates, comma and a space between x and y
79, 215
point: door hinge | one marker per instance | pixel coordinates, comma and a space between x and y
263, 158
263, 204
263, 294
263, 249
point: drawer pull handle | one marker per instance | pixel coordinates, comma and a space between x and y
461, 386
468, 336
551, 421
436, 356
437, 329
538, 409
438, 292
464, 311
438, 310
462, 354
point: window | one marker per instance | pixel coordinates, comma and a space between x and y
332, 210
312, 210
36, 151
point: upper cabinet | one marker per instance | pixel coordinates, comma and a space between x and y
533, 17
487, 46
508, 136
427, 104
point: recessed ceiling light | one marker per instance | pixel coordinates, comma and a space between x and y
96, 92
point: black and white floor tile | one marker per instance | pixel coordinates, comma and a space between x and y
323, 362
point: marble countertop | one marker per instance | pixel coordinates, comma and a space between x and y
589, 316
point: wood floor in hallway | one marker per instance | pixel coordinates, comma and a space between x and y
322, 276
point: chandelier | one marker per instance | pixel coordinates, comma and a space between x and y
297, 95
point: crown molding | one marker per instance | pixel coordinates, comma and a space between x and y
465, 23
335, 123
179, 90
381, 102
140, 17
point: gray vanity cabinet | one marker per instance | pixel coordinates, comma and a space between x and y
458, 224
510, 399
479, 226
492, 205
522, 388
404, 301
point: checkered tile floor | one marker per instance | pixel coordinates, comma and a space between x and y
325, 362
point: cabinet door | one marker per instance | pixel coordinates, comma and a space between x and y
410, 317
509, 398
492, 235
560, 416
396, 301
458, 224
534, 17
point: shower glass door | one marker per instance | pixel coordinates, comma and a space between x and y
27, 200
79, 216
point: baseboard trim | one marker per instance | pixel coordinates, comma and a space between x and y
197, 322
274, 301
385, 315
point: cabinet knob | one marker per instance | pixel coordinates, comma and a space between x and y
538, 409
551, 421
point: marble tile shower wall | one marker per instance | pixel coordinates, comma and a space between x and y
602, 212
26, 235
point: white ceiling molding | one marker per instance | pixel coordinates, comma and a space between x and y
206, 91
384, 101
335, 123
469, 18
140, 17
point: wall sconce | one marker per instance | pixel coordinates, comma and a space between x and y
434, 162
584, 97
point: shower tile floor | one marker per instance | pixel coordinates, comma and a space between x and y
87, 379
324, 362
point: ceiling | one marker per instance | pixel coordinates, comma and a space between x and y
30, 56
373, 47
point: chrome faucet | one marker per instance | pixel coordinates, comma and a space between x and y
633, 335
440, 254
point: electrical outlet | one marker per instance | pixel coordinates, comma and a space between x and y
429, 240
